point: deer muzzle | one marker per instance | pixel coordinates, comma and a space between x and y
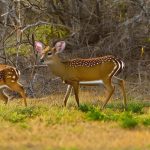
41, 60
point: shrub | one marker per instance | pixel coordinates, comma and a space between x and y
20, 114
14, 117
31, 111
95, 115
127, 121
135, 107
146, 122
85, 108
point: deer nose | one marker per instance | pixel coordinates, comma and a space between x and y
41, 60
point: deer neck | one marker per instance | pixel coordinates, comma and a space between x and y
57, 66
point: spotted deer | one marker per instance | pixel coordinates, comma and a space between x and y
82, 71
9, 78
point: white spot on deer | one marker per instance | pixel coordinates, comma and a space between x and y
9, 73
8, 77
14, 77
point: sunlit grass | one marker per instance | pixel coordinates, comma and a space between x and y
46, 121
57, 114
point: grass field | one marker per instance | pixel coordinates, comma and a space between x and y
46, 125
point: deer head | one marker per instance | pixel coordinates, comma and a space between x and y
49, 52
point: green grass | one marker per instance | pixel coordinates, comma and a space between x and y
21, 114
146, 121
133, 117
71, 128
135, 107
127, 120
115, 112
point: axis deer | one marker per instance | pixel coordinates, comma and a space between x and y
82, 71
9, 78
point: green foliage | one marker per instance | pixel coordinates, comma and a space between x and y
85, 108
24, 125
14, 117
58, 115
31, 111
95, 114
125, 119
146, 122
23, 50
128, 121
110, 115
45, 33
135, 107
147, 40
20, 114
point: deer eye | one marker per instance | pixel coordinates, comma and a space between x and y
49, 53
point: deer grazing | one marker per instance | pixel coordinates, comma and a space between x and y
9, 78
82, 71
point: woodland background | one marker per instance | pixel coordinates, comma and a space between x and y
90, 28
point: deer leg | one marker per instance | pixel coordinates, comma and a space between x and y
121, 83
76, 92
18, 88
110, 89
69, 88
3, 96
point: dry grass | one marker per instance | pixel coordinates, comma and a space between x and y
49, 126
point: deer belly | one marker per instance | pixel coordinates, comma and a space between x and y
94, 73
3, 86
89, 76
94, 82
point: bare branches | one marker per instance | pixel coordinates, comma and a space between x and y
136, 18
99, 27
41, 23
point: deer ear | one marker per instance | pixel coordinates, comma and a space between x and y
60, 46
38, 46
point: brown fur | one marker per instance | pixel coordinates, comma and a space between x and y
76, 70
9, 78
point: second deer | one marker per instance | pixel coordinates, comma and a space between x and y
76, 71
9, 78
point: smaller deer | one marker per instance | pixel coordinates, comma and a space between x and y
82, 71
9, 78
